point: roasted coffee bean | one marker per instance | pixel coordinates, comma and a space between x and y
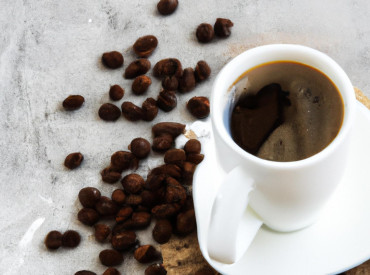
172, 170
175, 192
124, 240
187, 81
118, 196
166, 7
198, 106
110, 175
150, 198
174, 156
222, 27
162, 231
140, 147
71, 239
73, 102
116, 92
164, 211
205, 33
155, 269
131, 112
122, 160
133, 199
167, 100
109, 112
141, 84
137, 67
188, 169
192, 146
195, 158
146, 254
154, 182
172, 128
138, 220
110, 257
106, 207
102, 232
185, 222
124, 213
145, 45
205, 271
111, 271
150, 109
202, 71
133, 183
89, 196
162, 143
85, 272
168, 67
53, 240
73, 160
88, 216
112, 60
170, 83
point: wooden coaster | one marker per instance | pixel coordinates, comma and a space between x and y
183, 256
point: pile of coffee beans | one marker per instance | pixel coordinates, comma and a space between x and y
54, 239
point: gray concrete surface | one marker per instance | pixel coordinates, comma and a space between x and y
51, 49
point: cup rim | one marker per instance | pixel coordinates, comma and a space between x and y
347, 94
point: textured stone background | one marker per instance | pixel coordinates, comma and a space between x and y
50, 49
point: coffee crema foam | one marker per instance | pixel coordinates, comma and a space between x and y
304, 127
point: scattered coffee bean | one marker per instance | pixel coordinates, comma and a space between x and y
102, 232
111, 271
140, 147
146, 254
88, 216
73, 160
164, 211
116, 92
175, 192
110, 175
168, 67
222, 27
131, 112
53, 240
71, 239
141, 84
85, 272
162, 143
166, 7
133, 183
110, 257
155, 269
106, 207
122, 160
188, 169
137, 67
205, 33
109, 112
112, 60
133, 199
170, 83
89, 196
124, 240
145, 45
118, 196
73, 102
195, 158
202, 71
172, 128
167, 100
124, 213
185, 222
162, 231
198, 106
175, 156
187, 81
150, 109
192, 146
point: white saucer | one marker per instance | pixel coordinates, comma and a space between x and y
338, 241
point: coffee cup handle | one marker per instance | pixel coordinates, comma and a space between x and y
233, 225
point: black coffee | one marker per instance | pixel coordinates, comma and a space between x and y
285, 111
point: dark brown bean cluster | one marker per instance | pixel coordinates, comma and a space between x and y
205, 32
54, 239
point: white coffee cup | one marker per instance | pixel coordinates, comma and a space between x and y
285, 196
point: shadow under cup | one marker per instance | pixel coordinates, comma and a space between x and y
317, 175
